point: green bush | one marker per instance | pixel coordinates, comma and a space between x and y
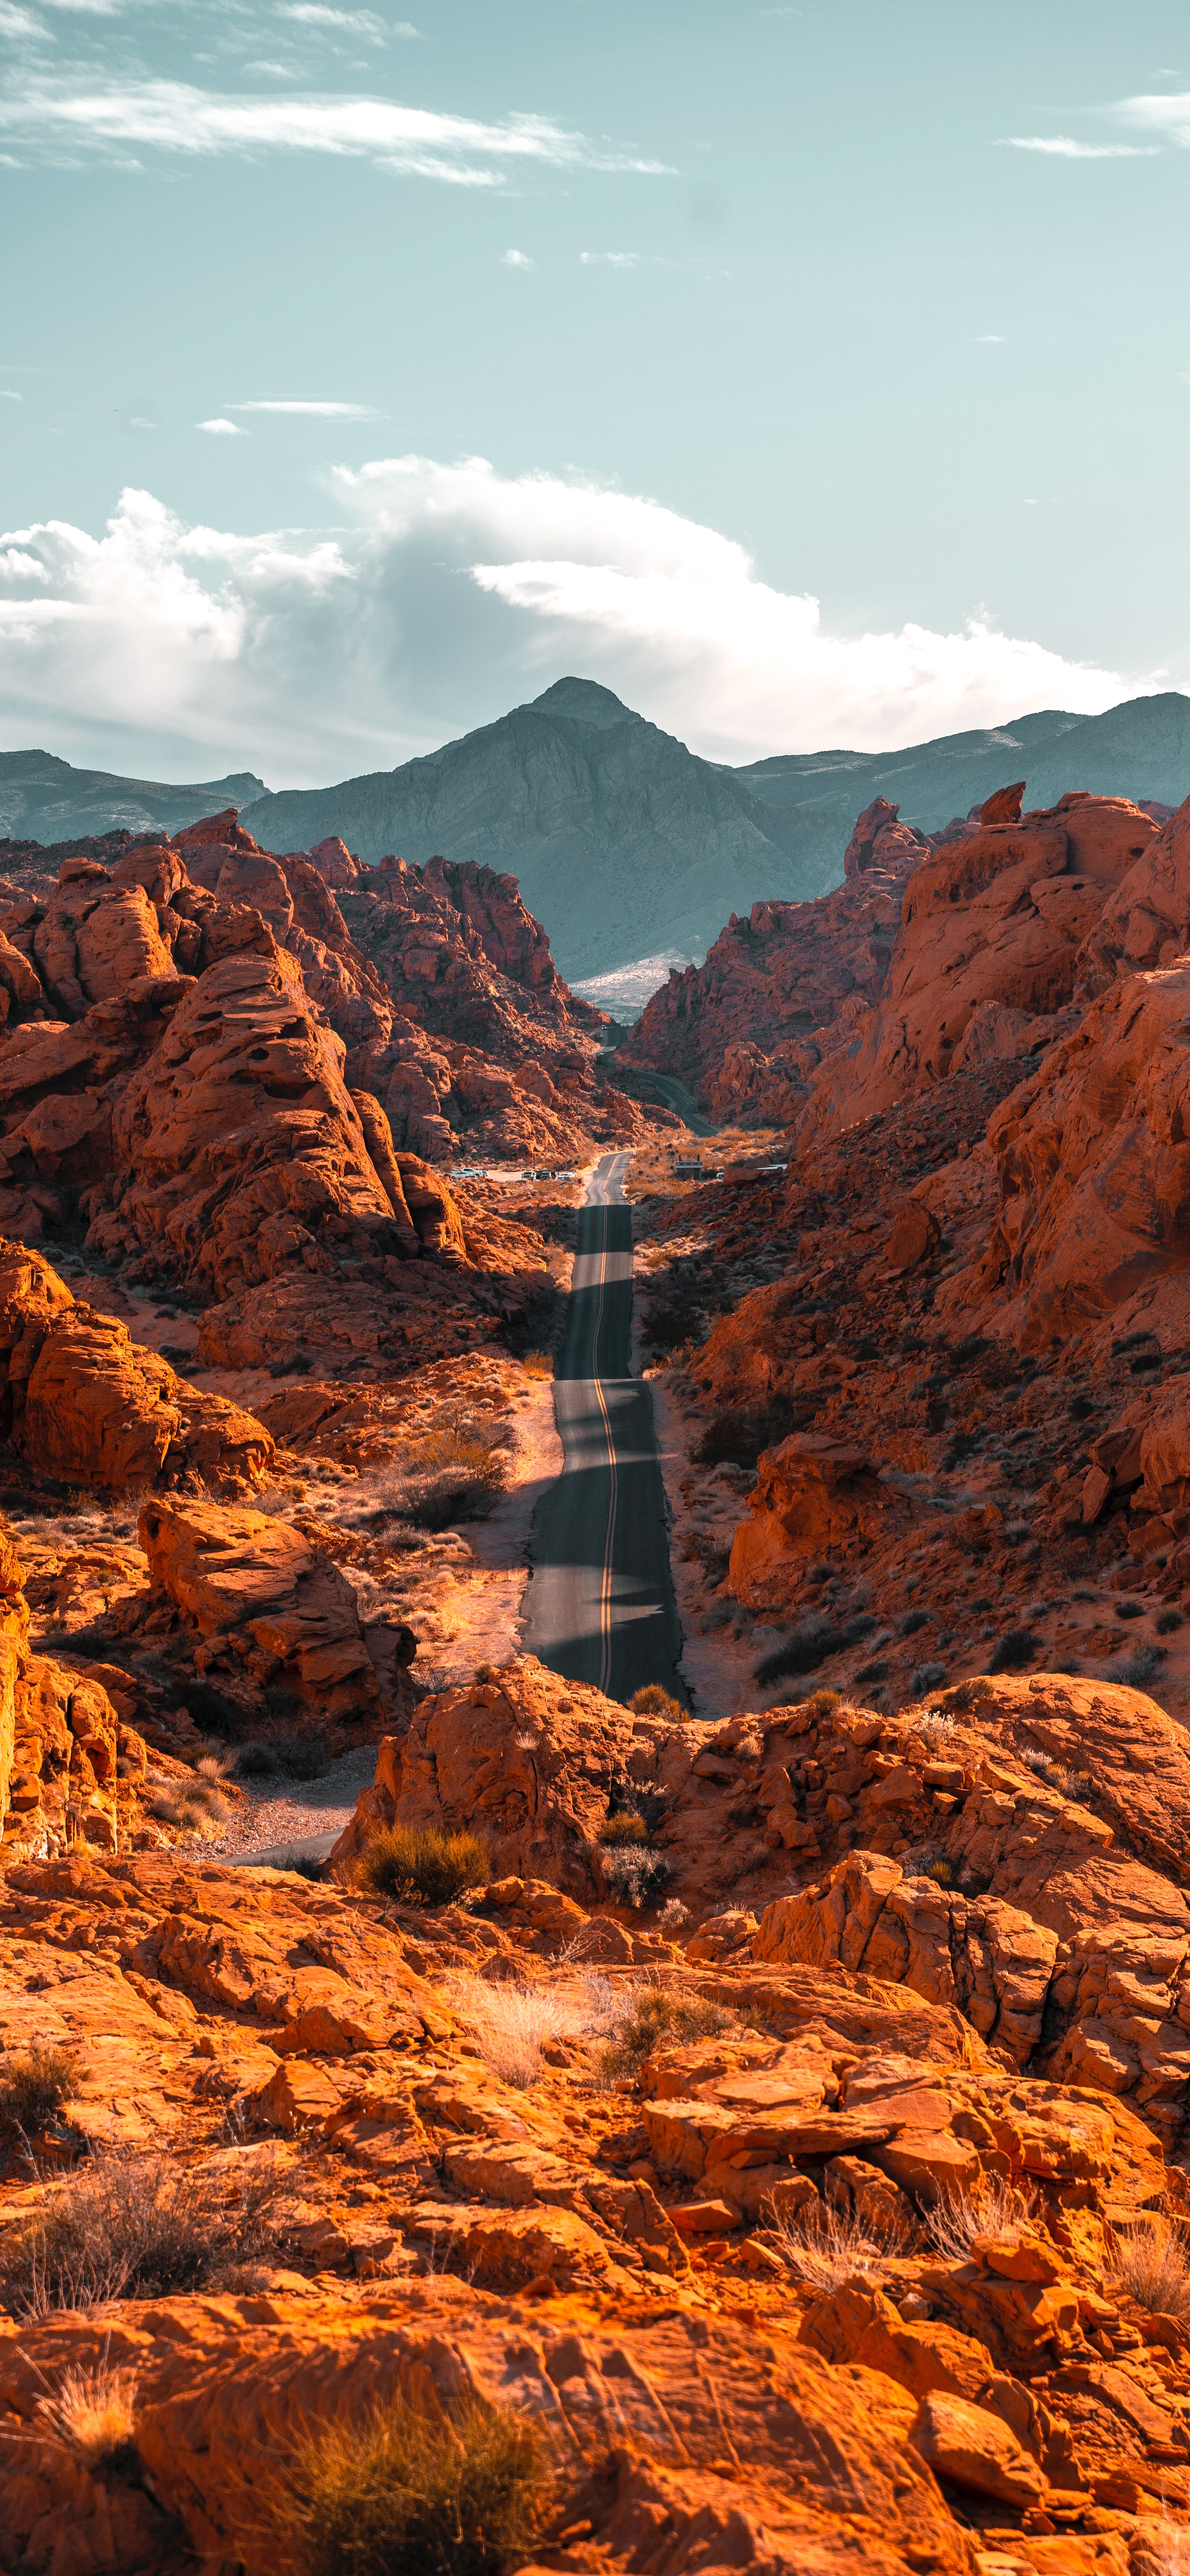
660, 2017
402, 2496
426, 1868
621, 1830
652, 1701
33, 2086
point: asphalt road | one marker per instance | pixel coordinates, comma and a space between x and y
676, 1096
600, 1602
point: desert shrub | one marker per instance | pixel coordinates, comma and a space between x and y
403, 2494
967, 1696
1016, 1647
1166, 1621
256, 1762
422, 1868
92, 2413
34, 2083
635, 1875
302, 1865
132, 2227
619, 1831
926, 1678
304, 1757
656, 2016
912, 1621
1140, 1666
1153, 2269
538, 1363
515, 2023
929, 1863
445, 1500
485, 1672
737, 1435
808, 1645
953, 2223
828, 2247
1071, 1784
935, 1724
652, 1701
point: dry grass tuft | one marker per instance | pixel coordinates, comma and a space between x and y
406, 2495
33, 2085
953, 2224
1152, 2269
92, 2413
829, 2247
134, 2227
514, 2024
620, 1832
425, 1868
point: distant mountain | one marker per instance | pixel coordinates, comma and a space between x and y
1139, 749
623, 841
626, 844
43, 799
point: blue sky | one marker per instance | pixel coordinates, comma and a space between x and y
809, 374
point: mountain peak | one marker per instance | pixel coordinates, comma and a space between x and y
586, 702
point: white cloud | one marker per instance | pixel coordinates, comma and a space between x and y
138, 423
989, 339
517, 259
450, 592
353, 22
21, 25
608, 258
1064, 148
171, 116
1167, 114
12, 397
223, 428
319, 410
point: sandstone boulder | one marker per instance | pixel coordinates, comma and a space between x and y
84, 1403
264, 1601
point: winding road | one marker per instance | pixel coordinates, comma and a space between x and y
600, 1603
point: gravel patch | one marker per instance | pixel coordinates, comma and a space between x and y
271, 1815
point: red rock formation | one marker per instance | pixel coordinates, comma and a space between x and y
780, 991
82, 1402
989, 950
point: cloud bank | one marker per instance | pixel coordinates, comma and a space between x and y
175, 117
442, 595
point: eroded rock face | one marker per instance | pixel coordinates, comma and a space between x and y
262, 1600
781, 989
1092, 1167
81, 1401
811, 1494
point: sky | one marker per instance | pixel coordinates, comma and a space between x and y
809, 375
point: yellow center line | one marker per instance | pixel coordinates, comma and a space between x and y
605, 1594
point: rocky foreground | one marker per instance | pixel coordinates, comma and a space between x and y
769, 2127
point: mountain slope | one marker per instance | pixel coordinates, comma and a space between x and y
1140, 749
44, 799
622, 840
626, 844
